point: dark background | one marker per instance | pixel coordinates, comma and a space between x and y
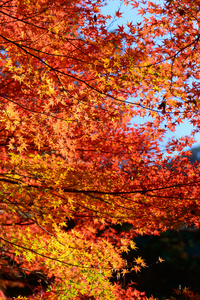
181, 252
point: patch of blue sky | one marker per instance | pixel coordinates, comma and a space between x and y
131, 15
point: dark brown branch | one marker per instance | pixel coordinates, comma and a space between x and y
88, 192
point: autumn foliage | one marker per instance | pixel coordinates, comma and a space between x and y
69, 92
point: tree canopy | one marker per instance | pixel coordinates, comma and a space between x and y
69, 92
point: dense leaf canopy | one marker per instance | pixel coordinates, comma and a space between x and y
69, 90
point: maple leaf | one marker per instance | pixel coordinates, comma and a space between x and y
160, 259
136, 268
124, 272
140, 261
118, 14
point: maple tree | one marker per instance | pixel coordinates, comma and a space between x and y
69, 90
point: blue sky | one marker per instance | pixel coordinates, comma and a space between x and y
130, 15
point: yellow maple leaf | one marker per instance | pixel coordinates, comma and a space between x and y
160, 259
139, 260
